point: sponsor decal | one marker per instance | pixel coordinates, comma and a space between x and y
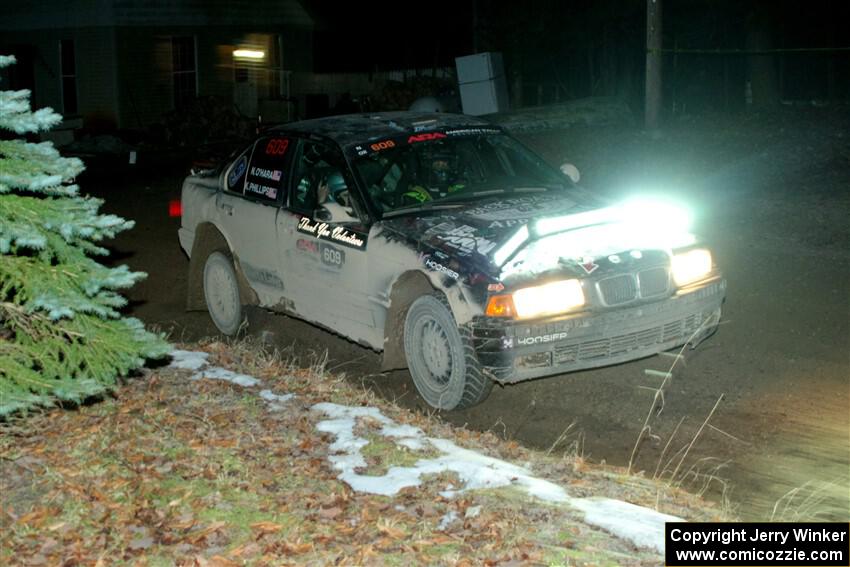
305, 245
432, 264
423, 125
522, 209
331, 256
471, 131
385, 145
271, 174
507, 223
277, 146
527, 341
495, 286
462, 238
425, 137
264, 190
588, 265
262, 276
518, 208
237, 172
325, 231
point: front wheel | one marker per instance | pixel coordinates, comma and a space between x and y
221, 293
441, 357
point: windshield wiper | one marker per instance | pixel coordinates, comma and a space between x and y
427, 206
463, 196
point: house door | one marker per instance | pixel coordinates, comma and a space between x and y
245, 90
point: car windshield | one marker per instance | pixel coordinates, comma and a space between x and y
444, 171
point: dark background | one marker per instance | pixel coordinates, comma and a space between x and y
556, 51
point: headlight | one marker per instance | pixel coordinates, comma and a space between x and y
691, 266
547, 299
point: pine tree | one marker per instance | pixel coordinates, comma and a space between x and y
61, 334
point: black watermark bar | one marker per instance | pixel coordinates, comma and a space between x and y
818, 544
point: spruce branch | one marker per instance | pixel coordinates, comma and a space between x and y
62, 336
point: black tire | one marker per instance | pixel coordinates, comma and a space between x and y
441, 357
221, 293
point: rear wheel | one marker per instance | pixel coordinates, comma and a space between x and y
441, 358
221, 293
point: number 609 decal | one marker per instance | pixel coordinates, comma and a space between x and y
332, 256
277, 146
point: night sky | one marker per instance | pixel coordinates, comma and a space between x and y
352, 36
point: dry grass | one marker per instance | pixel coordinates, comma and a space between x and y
173, 471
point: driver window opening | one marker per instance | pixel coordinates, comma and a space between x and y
322, 187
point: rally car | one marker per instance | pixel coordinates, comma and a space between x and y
444, 243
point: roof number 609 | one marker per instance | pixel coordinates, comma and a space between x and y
382, 145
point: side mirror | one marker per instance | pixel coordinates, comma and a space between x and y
571, 171
334, 213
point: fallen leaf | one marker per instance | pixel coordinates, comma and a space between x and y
266, 527
297, 548
204, 532
385, 527
330, 513
244, 550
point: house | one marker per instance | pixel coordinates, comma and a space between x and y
107, 64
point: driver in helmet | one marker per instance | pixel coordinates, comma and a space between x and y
441, 179
332, 188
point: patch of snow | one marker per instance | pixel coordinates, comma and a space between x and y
339, 411
188, 359
480, 471
447, 519
641, 526
271, 397
218, 373
412, 443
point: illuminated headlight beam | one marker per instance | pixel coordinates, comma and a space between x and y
513, 243
691, 266
548, 299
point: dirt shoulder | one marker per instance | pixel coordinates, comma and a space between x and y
207, 472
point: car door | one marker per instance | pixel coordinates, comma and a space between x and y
254, 189
323, 243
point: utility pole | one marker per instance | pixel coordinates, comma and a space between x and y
475, 26
653, 63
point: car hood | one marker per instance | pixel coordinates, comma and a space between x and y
470, 234
518, 238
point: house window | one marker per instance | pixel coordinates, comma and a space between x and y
68, 73
184, 70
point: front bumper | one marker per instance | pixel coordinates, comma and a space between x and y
513, 351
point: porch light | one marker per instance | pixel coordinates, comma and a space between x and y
249, 54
